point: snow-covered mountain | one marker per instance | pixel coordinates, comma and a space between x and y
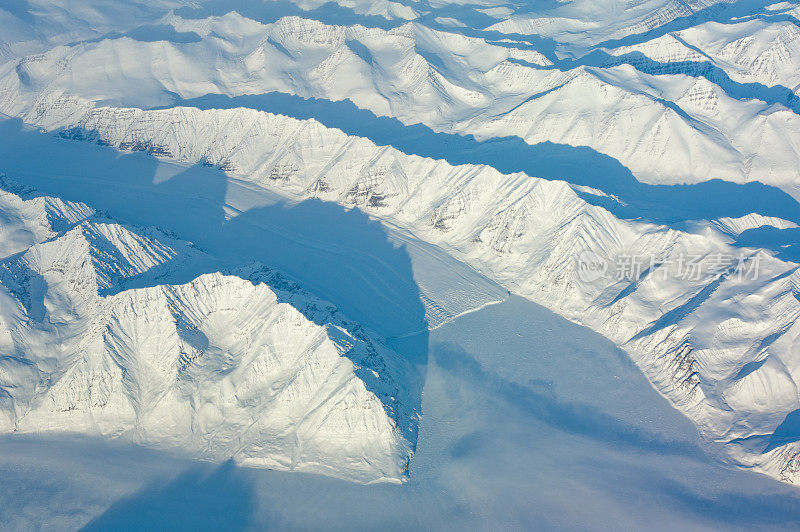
657, 143
685, 120
243, 364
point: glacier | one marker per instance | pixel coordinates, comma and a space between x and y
257, 231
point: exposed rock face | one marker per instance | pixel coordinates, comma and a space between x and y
709, 338
704, 300
671, 114
222, 366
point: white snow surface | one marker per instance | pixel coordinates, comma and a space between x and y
431, 157
671, 118
529, 421
222, 366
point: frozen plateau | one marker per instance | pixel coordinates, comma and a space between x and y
410, 264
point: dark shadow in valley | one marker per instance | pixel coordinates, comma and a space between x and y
774, 94
338, 255
152, 33
268, 12
577, 165
477, 24
21, 9
784, 242
331, 13
787, 432
721, 13
718, 503
581, 419
203, 498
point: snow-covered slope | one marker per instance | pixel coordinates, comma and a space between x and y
669, 122
222, 366
716, 337
599, 108
33, 27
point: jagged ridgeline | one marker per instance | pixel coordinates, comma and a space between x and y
108, 329
514, 139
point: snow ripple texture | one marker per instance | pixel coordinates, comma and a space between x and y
663, 93
222, 366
